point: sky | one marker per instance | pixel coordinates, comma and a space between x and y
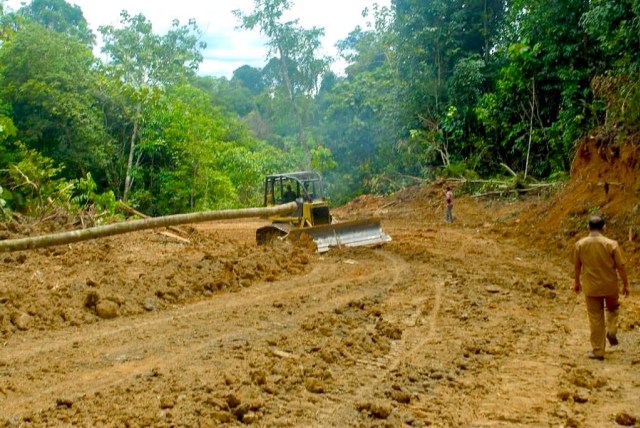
228, 48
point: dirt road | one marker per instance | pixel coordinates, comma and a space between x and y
448, 325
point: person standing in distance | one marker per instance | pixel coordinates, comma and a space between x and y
598, 261
448, 200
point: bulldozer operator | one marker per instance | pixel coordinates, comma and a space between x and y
289, 195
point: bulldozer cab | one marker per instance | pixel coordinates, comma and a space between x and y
305, 188
294, 186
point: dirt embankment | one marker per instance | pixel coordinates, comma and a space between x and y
470, 324
605, 180
129, 275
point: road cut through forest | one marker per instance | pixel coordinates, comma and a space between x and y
469, 324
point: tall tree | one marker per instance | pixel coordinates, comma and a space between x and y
358, 113
293, 51
542, 97
444, 52
144, 63
427, 49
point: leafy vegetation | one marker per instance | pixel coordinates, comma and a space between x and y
432, 88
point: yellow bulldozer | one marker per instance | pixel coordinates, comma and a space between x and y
312, 215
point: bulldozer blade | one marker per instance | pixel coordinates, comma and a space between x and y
350, 234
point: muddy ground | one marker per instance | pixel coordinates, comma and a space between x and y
472, 324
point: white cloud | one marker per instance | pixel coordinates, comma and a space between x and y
233, 48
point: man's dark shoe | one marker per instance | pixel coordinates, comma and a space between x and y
613, 340
593, 356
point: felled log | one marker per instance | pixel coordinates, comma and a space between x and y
135, 225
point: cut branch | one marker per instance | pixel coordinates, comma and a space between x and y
519, 191
126, 208
505, 166
26, 180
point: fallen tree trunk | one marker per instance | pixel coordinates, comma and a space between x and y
532, 188
135, 225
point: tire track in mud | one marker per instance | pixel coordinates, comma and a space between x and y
528, 374
401, 351
518, 372
97, 358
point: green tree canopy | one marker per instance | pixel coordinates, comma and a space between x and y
60, 16
47, 78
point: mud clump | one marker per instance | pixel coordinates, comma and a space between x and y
106, 309
625, 419
376, 409
22, 321
314, 385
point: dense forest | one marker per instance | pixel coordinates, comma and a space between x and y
433, 88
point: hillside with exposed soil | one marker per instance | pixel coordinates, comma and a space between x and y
469, 324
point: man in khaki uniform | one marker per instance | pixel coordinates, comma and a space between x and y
598, 261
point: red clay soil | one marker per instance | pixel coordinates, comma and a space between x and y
471, 324
605, 180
